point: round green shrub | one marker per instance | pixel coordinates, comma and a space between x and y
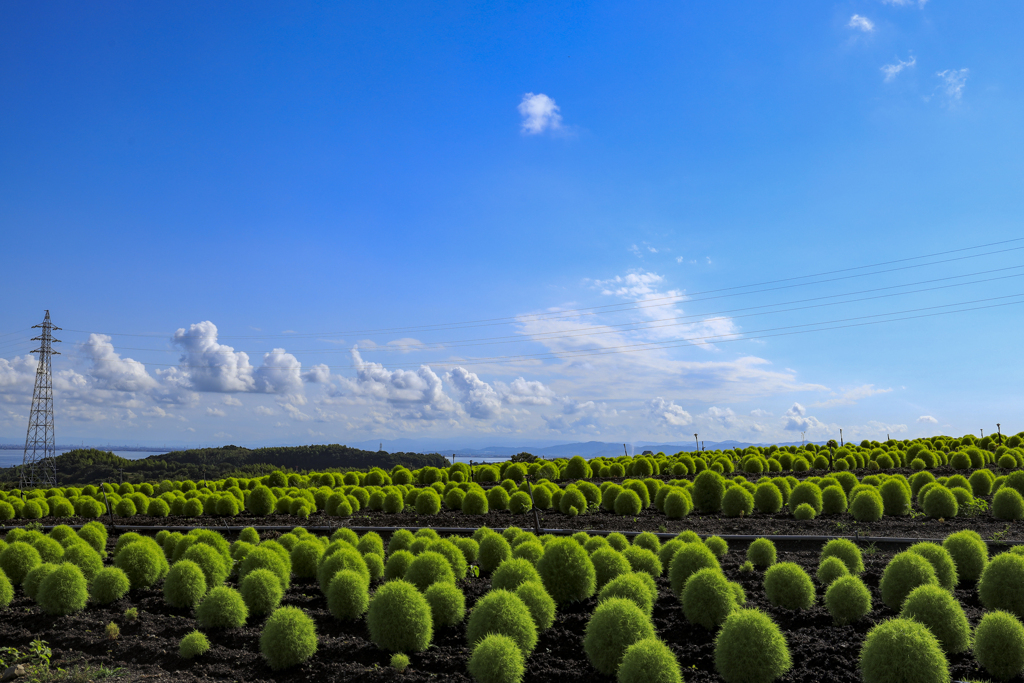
305, 557
185, 584
830, 569
902, 651
567, 571
397, 564
628, 503
1001, 586
905, 572
17, 560
401, 539
787, 585
347, 595
6, 591
833, 500
518, 504
632, 587
678, 504
707, 491
109, 585
999, 644
867, 506
263, 557
847, 599
845, 550
717, 545
750, 648
343, 558
447, 603
63, 591
804, 511
940, 503
428, 502
805, 492
1008, 505
288, 638
513, 572
969, 552
767, 498
85, 558
213, 565
649, 661
761, 552
30, 585
707, 598
616, 624
643, 560
937, 609
501, 611
428, 568
399, 618
143, 563
689, 559
496, 659
374, 565
539, 602
261, 589
222, 607
608, 563
895, 498
737, 502
192, 645
49, 550
942, 562
494, 550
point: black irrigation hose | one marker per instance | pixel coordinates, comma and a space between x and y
466, 531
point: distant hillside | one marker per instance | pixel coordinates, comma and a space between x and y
90, 466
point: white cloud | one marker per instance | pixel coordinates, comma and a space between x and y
113, 372
523, 392
890, 71
215, 412
19, 372
281, 373
861, 23
928, 419
954, 81
317, 374
540, 113
231, 401
579, 417
850, 397
797, 420
760, 412
417, 394
667, 413
725, 416
479, 399
905, 3
209, 366
263, 410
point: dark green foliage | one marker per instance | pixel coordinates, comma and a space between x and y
63, 591
95, 534
632, 587
494, 550
504, 612
737, 502
428, 568
830, 569
194, 644
513, 572
496, 659
1002, 584
109, 585
787, 585
399, 618
185, 585
447, 603
847, 551
667, 552
942, 562
833, 500
999, 644
707, 491
288, 638
222, 607
937, 609
347, 595
616, 624
761, 552
940, 503
767, 498
750, 648
895, 498
17, 560
628, 503
261, 589
401, 539
608, 563
617, 541
970, 554
397, 564
689, 559
905, 572
678, 504
847, 600
867, 506
902, 651
649, 661
539, 602
707, 598
643, 560
49, 550
305, 557
374, 565
567, 571
1008, 505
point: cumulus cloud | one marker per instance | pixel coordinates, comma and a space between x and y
667, 413
317, 374
891, 71
928, 419
523, 392
953, 82
209, 366
281, 373
18, 372
263, 410
418, 394
797, 420
725, 416
861, 23
478, 398
113, 372
540, 113
215, 412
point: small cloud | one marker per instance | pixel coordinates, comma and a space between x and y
215, 412
760, 412
679, 259
289, 332
905, 3
928, 419
861, 23
892, 70
540, 113
263, 410
709, 259
231, 401
652, 250
954, 81
636, 251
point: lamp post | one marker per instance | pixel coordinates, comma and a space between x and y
696, 443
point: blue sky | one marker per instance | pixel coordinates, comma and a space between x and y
345, 183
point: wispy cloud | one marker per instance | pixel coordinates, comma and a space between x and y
928, 419
540, 113
954, 81
893, 70
860, 23
905, 3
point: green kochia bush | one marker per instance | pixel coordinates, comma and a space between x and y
767, 498
494, 550
940, 503
347, 595
750, 648
999, 644
193, 645
902, 651
397, 564
513, 572
288, 638
608, 563
496, 659
185, 585
447, 604
63, 591
567, 572
504, 612
345, 558
1008, 504
805, 492
708, 491
17, 560
937, 609
761, 552
399, 618
143, 562
649, 661
213, 565
222, 607
616, 624
261, 589
109, 584
847, 600
905, 572
689, 559
6, 591
35, 578
942, 562
428, 568
632, 587
969, 553
787, 585
830, 569
1002, 584
707, 598
867, 506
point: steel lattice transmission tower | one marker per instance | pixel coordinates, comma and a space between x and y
39, 465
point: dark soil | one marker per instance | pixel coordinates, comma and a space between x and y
147, 648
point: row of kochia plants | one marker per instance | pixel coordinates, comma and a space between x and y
981, 492
406, 589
